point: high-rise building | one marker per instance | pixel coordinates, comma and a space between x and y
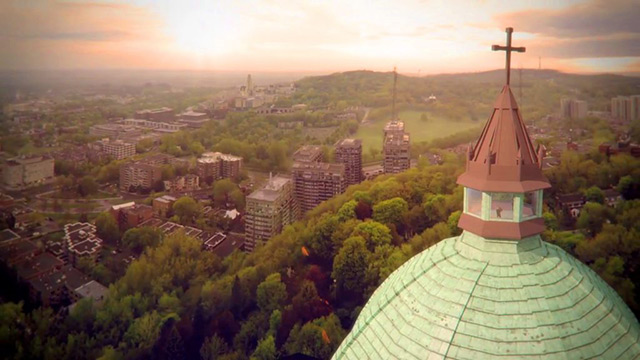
268, 210
28, 171
573, 109
396, 148
349, 153
308, 153
315, 182
626, 108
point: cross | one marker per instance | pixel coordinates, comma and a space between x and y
508, 49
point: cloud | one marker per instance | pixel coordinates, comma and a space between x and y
594, 18
52, 34
614, 46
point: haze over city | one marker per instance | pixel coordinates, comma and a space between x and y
423, 37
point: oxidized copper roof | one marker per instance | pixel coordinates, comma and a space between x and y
504, 158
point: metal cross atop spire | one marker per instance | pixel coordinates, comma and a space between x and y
508, 49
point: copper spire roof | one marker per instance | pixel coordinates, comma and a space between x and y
504, 158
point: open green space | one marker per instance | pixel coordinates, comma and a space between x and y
431, 128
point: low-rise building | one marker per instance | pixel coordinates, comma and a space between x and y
82, 242
130, 215
117, 149
22, 172
163, 114
193, 119
188, 182
163, 205
115, 131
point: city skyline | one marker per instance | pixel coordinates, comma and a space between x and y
420, 37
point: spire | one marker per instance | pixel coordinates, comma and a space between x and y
504, 158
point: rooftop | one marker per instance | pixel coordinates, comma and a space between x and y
349, 143
37, 265
308, 153
92, 289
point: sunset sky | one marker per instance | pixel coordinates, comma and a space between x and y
422, 36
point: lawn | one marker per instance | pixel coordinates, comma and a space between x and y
434, 127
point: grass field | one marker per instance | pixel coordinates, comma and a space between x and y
434, 127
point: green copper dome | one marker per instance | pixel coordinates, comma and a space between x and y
474, 298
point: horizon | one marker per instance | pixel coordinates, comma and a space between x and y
419, 37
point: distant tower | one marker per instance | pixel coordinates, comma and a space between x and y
396, 142
249, 85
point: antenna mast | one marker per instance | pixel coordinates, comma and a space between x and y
393, 106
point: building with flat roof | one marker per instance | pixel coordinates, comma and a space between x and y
193, 119
396, 148
308, 153
213, 166
115, 131
349, 153
82, 242
268, 210
116, 149
143, 174
38, 265
13, 252
188, 182
625, 108
163, 114
130, 215
163, 205
27, 171
315, 182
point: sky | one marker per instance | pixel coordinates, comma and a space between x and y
417, 36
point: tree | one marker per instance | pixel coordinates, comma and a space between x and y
266, 349
87, 186
347, 210
225, 191
271, 293
137, 239
594, 194
107, 228
629, 187
186, 209
390, 211
363, 210
212, 348
374, 233
350, 266
592, 217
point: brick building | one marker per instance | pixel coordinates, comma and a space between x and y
163, 205
349, 153
117, 149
